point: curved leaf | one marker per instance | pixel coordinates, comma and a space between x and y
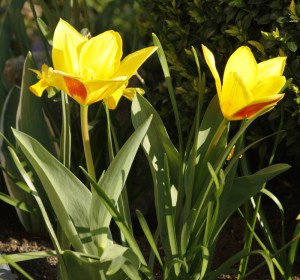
156, 145
112, 183
68, 196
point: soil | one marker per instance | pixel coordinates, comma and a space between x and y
13, 238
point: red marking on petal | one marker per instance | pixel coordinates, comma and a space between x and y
249, 111
76, 88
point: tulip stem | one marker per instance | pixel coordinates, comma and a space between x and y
86, 141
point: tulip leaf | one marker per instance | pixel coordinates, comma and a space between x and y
149, 236
68, 196
211, 140
30, 184
157, 136
112, 183
156, 145
118, 218
20, 257
165, 68
243, 188
19, 204
112, 264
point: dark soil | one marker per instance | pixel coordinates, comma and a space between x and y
13, 238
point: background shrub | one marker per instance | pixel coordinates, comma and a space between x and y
269, 27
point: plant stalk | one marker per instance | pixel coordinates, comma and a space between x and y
86, 141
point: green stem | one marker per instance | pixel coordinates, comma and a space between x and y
86, 141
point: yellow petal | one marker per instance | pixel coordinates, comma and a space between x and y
267, 87
113, 99
100, 90
101, 55
39, 87
129, 93
55, 78
133, 61
242, 62
235, 95
67, 43
210, 60
271, 68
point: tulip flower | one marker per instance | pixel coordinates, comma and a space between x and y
88, 70
249, 88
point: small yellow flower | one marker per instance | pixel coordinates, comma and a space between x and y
248, 87
47, 78
88, 70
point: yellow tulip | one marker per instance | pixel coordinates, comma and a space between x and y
88, 70
248, 87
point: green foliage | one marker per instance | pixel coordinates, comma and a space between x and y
269, 27
81, 224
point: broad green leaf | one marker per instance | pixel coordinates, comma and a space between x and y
118, 218
211, 141
156, 144
37, 198
119, 257
157, 141
69, 198
112, 183
80, 267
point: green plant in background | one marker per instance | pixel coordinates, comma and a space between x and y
269, 27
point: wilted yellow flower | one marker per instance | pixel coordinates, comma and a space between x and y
248, 87
89, 70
